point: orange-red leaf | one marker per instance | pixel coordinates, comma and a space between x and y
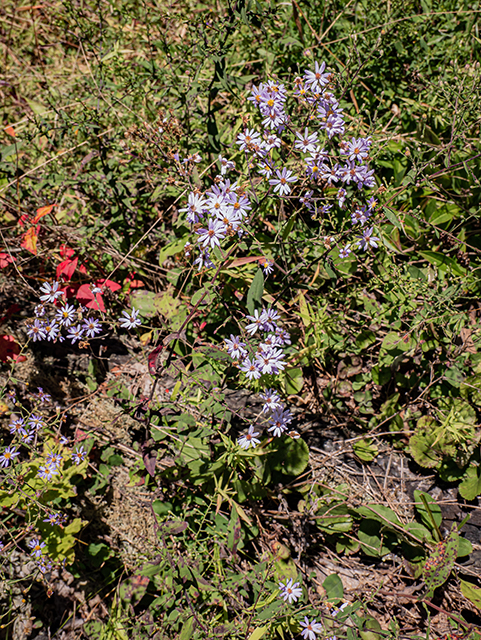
239, 262
29, 241
5, 259
9, 349
11, 131
43, 211
67, 268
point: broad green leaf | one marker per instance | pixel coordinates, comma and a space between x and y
470, 487
333, 586
254, 295
472, 593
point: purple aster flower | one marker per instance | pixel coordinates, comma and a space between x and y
225, 165
281, 183
42, 396
203, 260
271, 400
269, 319
212, 236
345, 251
271, 141
39, 311
75, 333
357, 149
50, 292
52, 329
249, 439
91, 327
8, 456
317, 79
341, 197
130, 320
17, 426
66, 315
249, 367
267, 265
248, 138
279, 420
35, 422
26, 437
47, 472
194, 208
235, 348
257, 322
310, 629
290, 591
79, 455
36, 330
37, 547
306, 143
334, 125
367, 239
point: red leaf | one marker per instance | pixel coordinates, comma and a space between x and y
29, 241
67, 268
149, 457
43, 211
11, 131
83, 269
65, 251
110, 284
86, 297
10, 349
5, 259
97, 304
152, 359
23, 219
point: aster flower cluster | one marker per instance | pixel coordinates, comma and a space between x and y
57, 320
265, 357
319, 165
259, 356
27, 431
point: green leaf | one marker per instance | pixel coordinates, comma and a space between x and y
472, 593
333, 586
440, 563
431, 517
392, 217
288, 228
293, 381
254, 295
443, 262
470, 487
292, 458
187, 629
380, 513
365, 449
258, 633
465, 548
171, 249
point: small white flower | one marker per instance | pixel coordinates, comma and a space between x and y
290, 592
130, 320
249, 439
